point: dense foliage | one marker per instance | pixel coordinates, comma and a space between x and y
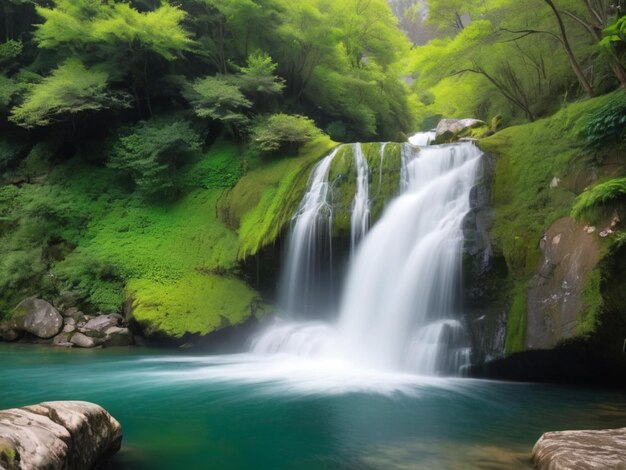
518, 59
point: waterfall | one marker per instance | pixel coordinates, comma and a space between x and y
311, 228
360, 218
422, 138
400, 307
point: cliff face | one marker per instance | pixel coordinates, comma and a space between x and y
539, 283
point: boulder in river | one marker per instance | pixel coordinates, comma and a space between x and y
37, 317
70, 435
581, 450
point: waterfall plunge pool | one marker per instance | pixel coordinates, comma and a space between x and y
247, 411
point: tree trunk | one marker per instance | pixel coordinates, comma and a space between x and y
584, 83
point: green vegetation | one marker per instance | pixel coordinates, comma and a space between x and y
599, 196
540, 169
278, 130
518, 59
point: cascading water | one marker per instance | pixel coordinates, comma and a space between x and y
360, 219
311, 229
399, 309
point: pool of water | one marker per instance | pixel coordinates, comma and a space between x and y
186, 411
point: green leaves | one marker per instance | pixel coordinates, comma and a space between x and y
151, 151
600, 195
216, 98
271, 133
71, 89
259, 76
113, 25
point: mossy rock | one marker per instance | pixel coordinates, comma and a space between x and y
197, 304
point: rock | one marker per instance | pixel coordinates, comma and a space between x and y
73, 313
449, 130
555, 300
581, 450
8, 331
62, 340
103, 322
116, 336
37, 317
71, 435
67, 328
83, 341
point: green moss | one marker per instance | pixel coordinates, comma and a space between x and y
593, 303
265, 200
198, 303
516, 321
79, 236
528, 158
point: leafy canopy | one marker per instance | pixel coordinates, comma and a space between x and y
71, 89
271, 133
150, 152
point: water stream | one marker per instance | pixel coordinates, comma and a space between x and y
399, 309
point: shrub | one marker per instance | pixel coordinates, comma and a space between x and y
600, 195
151, 151
607, 125
276, 131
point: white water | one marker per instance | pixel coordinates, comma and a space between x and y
399, 310
360, 219
422, 139
312, 226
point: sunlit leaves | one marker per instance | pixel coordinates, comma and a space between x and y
71, 89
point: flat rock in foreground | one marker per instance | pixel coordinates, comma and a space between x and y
68, 435
581, 450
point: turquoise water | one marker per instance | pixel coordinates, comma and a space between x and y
182, 411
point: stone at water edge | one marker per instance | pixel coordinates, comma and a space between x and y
70, 435
449, 129
581, 450
37, 317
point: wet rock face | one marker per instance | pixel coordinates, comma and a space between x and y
581, 450
484, 270
555, 301
71, 435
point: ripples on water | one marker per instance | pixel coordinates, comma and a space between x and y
276, 411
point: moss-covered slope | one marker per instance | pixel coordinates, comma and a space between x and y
541, 168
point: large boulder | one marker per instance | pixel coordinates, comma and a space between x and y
581, 450
450, 130
37, 317
555, 301
69, 435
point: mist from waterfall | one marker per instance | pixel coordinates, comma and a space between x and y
400, 306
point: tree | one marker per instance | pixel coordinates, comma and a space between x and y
215, 98
150, 152
71, 89
273, 132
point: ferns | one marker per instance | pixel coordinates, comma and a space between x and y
607, 125
600, 195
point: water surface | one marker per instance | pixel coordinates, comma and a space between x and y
187, 411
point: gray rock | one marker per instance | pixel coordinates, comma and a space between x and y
83, 341
69, 435
37, 317
555, 299
448, 129
116, 336
73, 313
8, 332
67, 328
62, 340
581, 450
103, 322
